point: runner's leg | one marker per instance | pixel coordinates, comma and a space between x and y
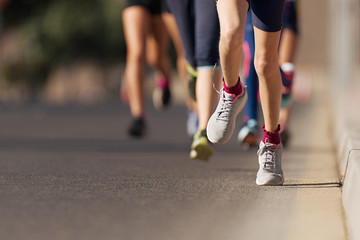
135, 24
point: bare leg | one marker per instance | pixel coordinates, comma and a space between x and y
173, 31
267, 68
206, 96
135, 23
232, 16
158, 47
288, 44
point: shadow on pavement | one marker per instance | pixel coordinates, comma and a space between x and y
313, 185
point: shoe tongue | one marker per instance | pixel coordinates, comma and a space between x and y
229, 96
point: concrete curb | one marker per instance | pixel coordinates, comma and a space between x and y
351, 194
347, 140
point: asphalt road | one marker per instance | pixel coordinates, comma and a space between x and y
71, 172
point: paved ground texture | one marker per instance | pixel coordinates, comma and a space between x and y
71, 172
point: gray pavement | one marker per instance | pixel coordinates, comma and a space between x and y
71, 172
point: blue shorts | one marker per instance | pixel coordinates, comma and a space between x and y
267, 15
199, 28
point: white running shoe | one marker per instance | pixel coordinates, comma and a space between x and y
221, 124
270, 172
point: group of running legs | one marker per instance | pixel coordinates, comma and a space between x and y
212, 34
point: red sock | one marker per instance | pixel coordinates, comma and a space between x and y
273, 137
163, 82
237, 89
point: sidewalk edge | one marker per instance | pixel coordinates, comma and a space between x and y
347, 141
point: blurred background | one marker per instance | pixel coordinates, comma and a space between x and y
62, 51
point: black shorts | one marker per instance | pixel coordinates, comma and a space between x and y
155, 7
199, 28
290, 16
267, 15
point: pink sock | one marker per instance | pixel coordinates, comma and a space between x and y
162, 82
273, 137
237, 89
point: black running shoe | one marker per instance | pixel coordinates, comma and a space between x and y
137, 128
161, 94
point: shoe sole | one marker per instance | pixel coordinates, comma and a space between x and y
137, 135
271, 180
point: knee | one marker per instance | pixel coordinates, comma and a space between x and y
232, 36
136, 55
265, 67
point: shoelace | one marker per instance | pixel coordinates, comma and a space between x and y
227, 102
269, 150
225, 108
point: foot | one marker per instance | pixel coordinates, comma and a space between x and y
200, 148
269, 157
162, 94
137, 128
248, 134
221, 124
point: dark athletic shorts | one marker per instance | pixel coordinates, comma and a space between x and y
290, 16
155, 7
199, 28
267, 15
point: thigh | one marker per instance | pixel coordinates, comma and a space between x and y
232, 14
136, 26
267, 15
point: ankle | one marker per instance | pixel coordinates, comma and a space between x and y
271, 137
237, 89
163, 82
141, 117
